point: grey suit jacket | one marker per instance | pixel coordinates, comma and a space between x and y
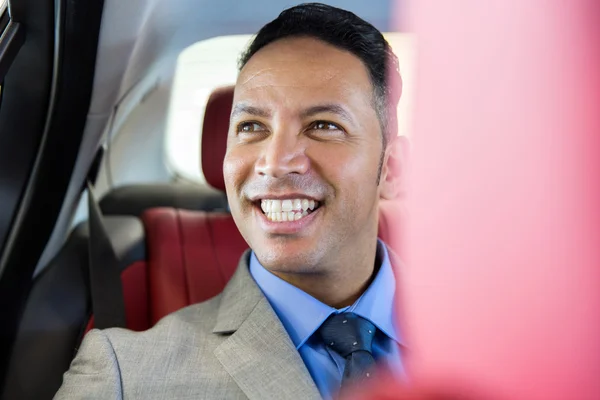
232, 346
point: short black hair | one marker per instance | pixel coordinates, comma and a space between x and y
346, 31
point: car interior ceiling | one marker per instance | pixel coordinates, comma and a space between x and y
99, 65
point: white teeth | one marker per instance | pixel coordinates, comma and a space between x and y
276, 206
288, 209
286, 216
286, 205
305, 204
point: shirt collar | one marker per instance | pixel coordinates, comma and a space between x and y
378, 302
301, 314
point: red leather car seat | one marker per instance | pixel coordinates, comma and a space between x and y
192, 254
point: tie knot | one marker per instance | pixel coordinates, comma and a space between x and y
346, 333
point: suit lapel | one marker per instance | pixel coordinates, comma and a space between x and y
259, 354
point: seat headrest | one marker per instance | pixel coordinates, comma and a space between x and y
214, 135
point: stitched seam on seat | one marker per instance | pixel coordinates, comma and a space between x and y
183, 260
213, 247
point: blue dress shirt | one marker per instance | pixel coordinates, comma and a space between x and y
302, 314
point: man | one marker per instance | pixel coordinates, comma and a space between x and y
311, 307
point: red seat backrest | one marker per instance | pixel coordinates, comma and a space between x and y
191, 256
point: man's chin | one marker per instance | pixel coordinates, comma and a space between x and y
287, 259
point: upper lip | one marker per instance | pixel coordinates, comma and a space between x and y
282, 196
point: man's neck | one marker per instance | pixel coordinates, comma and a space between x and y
340, 286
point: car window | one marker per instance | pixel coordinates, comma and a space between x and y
212, 63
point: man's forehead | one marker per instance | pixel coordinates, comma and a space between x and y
302, 63
288, 75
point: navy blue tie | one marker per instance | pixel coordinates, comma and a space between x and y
351, 336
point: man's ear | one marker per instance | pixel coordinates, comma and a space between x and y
393, 173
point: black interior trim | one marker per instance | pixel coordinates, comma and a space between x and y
40, 165
108, 303
135, 199
58, 309
26, 86
11, 41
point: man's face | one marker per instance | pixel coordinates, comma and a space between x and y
304, 133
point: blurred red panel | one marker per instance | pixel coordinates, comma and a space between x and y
502, 290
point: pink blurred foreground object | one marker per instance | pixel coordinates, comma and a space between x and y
502, 287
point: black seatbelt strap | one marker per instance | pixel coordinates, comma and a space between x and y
108, 305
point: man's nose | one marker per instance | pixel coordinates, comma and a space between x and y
283, 154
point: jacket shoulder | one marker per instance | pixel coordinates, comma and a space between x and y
196, 319
174, 355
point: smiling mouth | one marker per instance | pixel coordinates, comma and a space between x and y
288, 209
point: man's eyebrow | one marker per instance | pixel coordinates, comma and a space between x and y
242, 108
328, 108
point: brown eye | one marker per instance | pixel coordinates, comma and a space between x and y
325, 130
324, 125
250, 127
